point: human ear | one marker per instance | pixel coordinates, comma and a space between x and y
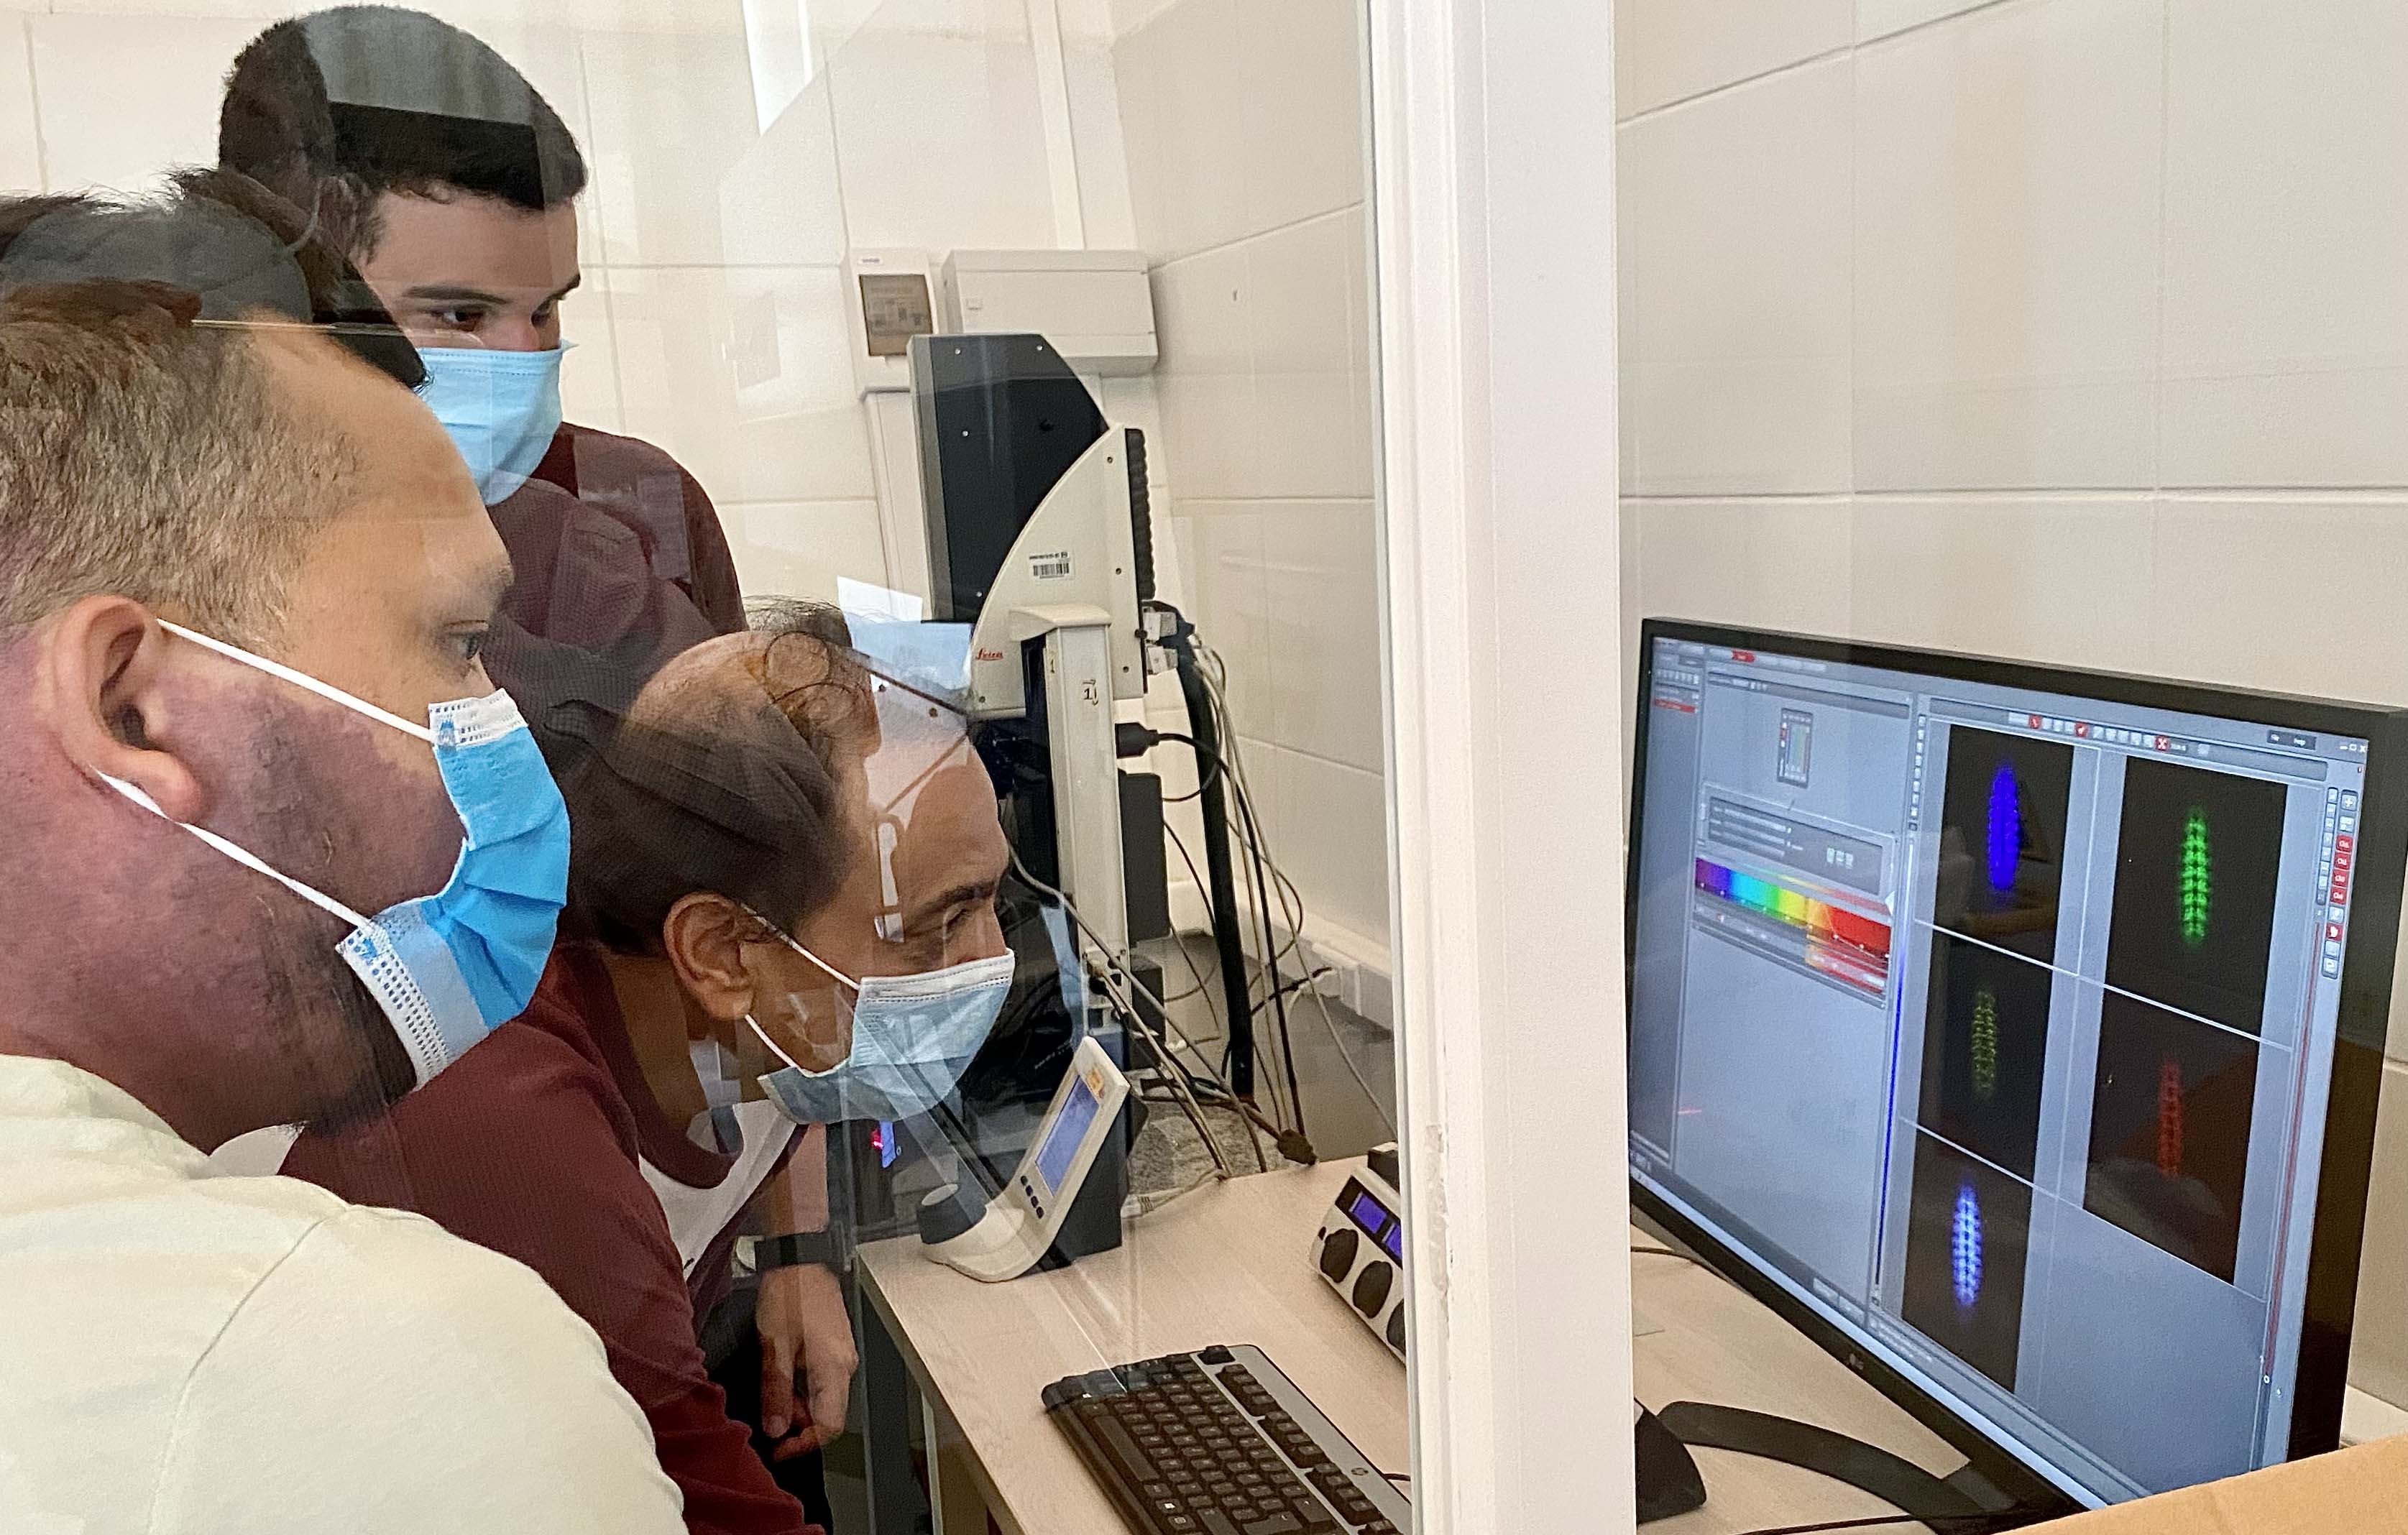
101, 682
707, 937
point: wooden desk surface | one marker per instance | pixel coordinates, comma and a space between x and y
1710, 1341
1229, 1264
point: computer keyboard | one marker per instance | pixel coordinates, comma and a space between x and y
1220, 1442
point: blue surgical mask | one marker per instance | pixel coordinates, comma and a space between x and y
500, 407
450, 968
913, 1036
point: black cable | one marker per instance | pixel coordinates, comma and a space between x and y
1291, 899
1690, 1258
1253, 832
1203, 893
1292, 906
1944, 1524
1214, 1095
1194, 1081
1263, 875
1248, 835
1218, 1098
1203, 723
1201, 1089
1146, 738
1301, 983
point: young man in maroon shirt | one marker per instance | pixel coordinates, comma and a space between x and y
452, 184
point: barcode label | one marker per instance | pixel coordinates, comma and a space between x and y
1050, 566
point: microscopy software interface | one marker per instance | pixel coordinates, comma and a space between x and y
1996, 1026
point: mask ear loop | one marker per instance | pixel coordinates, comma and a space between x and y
833, 974
753, 1024
763, 1035
300, 679
239, 855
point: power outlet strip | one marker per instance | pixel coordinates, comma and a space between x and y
1359, 1251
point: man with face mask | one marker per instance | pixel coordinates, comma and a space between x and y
452, 184
779, 856
276, 853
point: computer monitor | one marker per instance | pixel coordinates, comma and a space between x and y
2016, 1032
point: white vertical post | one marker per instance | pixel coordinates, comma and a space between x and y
1053, 105
1493, 164
1086, 774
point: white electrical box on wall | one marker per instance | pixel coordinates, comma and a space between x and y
889, 297
1096, 306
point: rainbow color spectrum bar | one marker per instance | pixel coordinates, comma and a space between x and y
1840, 943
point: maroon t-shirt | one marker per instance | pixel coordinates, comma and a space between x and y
529, 1145
619, 563
648, 493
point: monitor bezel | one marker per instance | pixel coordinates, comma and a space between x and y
2348, 1151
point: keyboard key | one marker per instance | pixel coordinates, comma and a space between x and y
1133, 1461
1278, 1524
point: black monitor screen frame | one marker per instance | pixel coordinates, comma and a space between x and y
2340, 1222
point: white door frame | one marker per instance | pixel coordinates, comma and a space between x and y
1492, 130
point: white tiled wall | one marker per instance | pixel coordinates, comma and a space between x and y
1735, 369
1665, 51
1243, 126
2067, 329
1223, 137
711, 320
2006, 317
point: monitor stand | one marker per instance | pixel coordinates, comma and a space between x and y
1669, 1483
1965, 1495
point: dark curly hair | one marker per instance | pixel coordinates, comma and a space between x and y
739, 787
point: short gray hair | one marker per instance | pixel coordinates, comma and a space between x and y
145, 455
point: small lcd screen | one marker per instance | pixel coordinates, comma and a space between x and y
1369, 1211
1375, 1218
1061, 1146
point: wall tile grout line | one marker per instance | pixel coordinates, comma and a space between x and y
1225, 247
1851, 48
1846, 50
2165, 233
34, 103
